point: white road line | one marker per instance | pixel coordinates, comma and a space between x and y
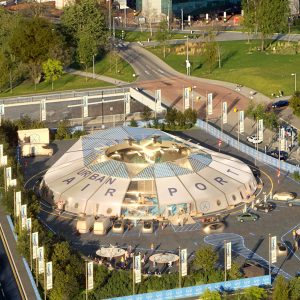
147, 72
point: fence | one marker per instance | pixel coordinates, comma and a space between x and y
197, 290
259, 156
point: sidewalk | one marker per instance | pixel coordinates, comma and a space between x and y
97, 76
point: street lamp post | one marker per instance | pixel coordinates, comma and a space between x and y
181, 19
295, 75
109, 16
188, 65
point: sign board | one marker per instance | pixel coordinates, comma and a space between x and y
261, 129
127, 103
18, 203
209, 103
13, 182
24, 215
137, 269
1, 109
49, 275
158, 99
228, 255
35, 244
183, 261
241, 121
224, 112
43, 110
273, 249
4, 160
123, 4
28, 224
90, 275
186, 98
40, 256
85, 106
1, 150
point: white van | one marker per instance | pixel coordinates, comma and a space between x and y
85, 225
102, 225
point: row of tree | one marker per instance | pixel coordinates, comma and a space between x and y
32, 46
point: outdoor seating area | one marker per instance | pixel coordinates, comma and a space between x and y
154, 262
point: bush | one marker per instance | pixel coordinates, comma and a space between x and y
295, 104
296, 175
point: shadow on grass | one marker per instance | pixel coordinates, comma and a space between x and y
228, 56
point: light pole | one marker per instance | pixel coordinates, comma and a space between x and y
181, 19
168, 15
295, 75
188, 65
109, 16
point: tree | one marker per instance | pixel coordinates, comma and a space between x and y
133, 123
295, 103
234, 273
190, 117
53, 70
205, 259
147, 113
85, 25
63, 130
171, 116
294, 287
162, 34
281, 291
265, 16
210, 295
32, 42
255, 293
211, 51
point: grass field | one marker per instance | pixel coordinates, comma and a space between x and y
265, 72
66, 82
114, 66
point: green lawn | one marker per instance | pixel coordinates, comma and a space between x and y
66, 82
263, 71
114, 66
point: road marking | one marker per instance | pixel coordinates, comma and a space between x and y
282, 239
147, 72
161, 71
238, 246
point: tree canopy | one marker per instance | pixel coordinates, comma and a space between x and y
265, 17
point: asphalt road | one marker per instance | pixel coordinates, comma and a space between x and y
9, 288
254, 235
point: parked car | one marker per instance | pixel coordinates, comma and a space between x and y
282, 155
118, 226
148, 227
280, 104
293, 202
264, 206
290, 131
216, 227
247, 217
282, 249
284, 196
253, 139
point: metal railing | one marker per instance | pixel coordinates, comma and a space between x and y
259, 156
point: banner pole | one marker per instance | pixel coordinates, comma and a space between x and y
45, 286
269, 254
225, 261
133, 277
37, 272
179, 268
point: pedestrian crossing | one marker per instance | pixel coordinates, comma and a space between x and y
238, 246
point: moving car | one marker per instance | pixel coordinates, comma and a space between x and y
247, 217
280, 103
118, 226
283, 196
293, 202
253, 139
264, 206
282, 155
290, 131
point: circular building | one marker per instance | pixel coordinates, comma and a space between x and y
140, 173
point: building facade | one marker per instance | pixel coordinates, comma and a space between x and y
189, 7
